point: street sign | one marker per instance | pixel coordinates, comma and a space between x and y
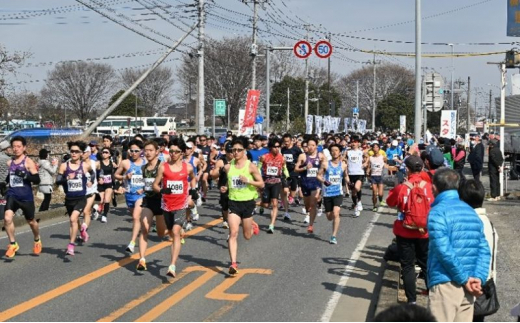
355, 112
220, 108
433, 92
259, 119
323, 49
302, 49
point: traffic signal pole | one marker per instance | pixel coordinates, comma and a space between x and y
418, 81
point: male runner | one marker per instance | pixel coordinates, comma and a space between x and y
291, 153
131, 173
356, 174
243, 181
173, 178
151, 205
219, 173
73, 176
197, 165
21, 173
331, 175
206, 151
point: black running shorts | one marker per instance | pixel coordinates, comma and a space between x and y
153, 205
271, 192
27, 207
75, 204
331, 201
174, 218
244, 209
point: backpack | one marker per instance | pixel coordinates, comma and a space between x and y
417, 207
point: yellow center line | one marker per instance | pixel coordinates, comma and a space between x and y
67, 287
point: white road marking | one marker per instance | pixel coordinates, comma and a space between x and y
41, 227
334, 299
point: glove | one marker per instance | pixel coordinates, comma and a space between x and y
20, 173
166, 190
194, 194
3, 188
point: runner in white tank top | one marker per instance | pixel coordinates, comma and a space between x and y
356, 175
376, 164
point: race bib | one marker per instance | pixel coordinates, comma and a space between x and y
75, 185
205, 158
355, 159
376, 166
148, 184
335, 179
313, 172
237, 183
272, 171
15, 181
137, 180
289, 158
107, 179
177, 187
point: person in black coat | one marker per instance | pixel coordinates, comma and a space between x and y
476, 158
496, 160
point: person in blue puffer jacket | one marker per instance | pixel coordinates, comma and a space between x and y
458, 255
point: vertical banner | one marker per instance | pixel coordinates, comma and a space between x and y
318, 121
308, 125
402, 124
347, 124
362, 126
513, 18
253, 97
337, 121
355, 124
242, 130
449, 124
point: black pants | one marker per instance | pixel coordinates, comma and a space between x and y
476, 170
46, 202
411, 251
494, 182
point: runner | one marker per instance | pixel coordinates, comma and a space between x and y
273, 167
219, 173
173, 178
189, 157
205, 151
356, 159
291, 153
243, 181
308, 165
105, 168
330, 175
376, 164
151, 205
73, 176
22, 172
131, 173
90, 195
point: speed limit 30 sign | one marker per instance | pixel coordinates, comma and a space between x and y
323, 49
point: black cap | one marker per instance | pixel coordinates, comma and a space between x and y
415, 163
229, 147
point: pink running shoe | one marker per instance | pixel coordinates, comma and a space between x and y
70, 249
256, 229
83, 233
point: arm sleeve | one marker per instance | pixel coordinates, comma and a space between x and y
60, 179
440, 246
34, 178
285, 170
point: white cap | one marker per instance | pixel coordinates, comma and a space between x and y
394, 142
189, 144
399, 138
87, 149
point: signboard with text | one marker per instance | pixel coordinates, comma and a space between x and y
449, 124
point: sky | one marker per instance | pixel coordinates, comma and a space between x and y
63, 30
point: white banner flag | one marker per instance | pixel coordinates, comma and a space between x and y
402, 124
308, 128
449, 124
347, 124
336, 126
362, 126
318, 123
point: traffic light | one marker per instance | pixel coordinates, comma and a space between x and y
433, 92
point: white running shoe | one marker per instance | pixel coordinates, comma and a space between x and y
131, 247
225, 225
95, 215
189, 226
199, 201
304, 210
359, 206
307, 219
195, 214
103, 219
357, 213
287, 217
320, 212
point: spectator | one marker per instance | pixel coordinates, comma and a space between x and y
412, 244
476, 158
495, 168
458, 253
459, 159
405, 313
448, 154
46, 170
94, 149
472, 192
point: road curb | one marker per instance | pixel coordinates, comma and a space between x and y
388, 295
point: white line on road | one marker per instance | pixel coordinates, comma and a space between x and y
334, 299
41, 227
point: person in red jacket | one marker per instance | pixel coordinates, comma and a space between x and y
412, 244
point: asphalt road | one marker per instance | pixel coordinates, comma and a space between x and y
287, 276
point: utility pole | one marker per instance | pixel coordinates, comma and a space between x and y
490, 104
374, 96
306, 111
288, 108
254, 46
418, 81
467, 106
267, 89
328, 77
199, 114
357, 94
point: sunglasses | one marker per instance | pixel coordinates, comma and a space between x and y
106, 152
237, 150
203, 140
134, 151
76, 151
277, 146
175, 151
304, 146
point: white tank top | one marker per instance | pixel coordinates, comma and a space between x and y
376, 165
93, 188
355, 162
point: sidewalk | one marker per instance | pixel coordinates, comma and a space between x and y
505, 216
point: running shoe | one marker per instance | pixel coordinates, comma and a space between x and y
182, 240
320, 212
287, 217
141, 265
307, 219
114, 201
171, 271
104, 219
195, 214
154, 228
375, 209
83, 233
131, 247
352, 207
310, 229
11, 250
290, 199
347, 194
360, 206
297, 201
70, 250
37, 247
203, 198
95, 215
256, 229
270, 229
333, 240
233, 269
189, 226
225, 225
227, 239
357, 213
383, 203
261, 210
199, 201
304, 210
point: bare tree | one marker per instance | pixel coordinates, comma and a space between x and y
155, 91
284, 63
79, 87
391, 78
9, 63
